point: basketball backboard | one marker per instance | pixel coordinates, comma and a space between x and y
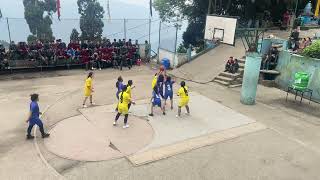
222, 28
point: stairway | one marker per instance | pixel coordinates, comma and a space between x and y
231, 80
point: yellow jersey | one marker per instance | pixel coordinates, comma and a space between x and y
123, 103
184, 97
88, 87
154, 81
128, 91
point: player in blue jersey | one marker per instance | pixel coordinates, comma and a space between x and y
168, 91
156, 100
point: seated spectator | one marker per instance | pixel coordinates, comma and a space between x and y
39, 45
271, 59
4, 64
308, 42
71, 54
229, 64
85, 57
235, 66
302, 44
95, 61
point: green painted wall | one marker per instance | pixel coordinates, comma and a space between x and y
289, 64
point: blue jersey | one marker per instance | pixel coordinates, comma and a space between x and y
34, 109
119, 89
120, 85
156, 100
168, 87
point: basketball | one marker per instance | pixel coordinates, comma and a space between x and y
162, 68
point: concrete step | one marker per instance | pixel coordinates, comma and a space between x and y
221, 82
229, 75
225, 79
235, 85
236, 81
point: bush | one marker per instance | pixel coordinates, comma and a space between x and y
313, 50
200, 49
182, 49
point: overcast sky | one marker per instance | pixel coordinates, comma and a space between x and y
119, 8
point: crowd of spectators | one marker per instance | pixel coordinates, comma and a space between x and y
93, 55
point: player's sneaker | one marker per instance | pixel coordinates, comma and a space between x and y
115, 123
45, 135
30, 137
151, 114
92, 104
126, 126
84, 106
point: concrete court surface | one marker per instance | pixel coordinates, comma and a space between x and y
92, 131
288, 149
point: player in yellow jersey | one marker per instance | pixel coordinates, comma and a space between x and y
123, 107
184, 98
154, 80
130, 86
88, 90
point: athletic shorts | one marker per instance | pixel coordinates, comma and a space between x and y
183, 102
168, 95
123, 109
156, 102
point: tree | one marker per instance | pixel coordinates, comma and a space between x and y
40, 24
31, 39
74, 35
91, 23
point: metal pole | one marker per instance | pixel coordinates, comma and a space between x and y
9, 29
125, 29
175, 46
176, 40
215, 6
295, 12
209, 7
150, 31
159, 42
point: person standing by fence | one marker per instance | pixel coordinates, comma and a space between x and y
147, 51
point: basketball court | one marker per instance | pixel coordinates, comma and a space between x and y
91, 136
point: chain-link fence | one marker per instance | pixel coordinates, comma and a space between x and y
135, 29
158, 34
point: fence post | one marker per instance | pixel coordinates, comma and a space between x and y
150, 31
159, 42
125, 29
9, 30
175, 48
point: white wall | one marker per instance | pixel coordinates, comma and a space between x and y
226, 23
175, 59
167, 54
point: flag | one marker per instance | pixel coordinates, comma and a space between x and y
108, 9
58, 9
151, 8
